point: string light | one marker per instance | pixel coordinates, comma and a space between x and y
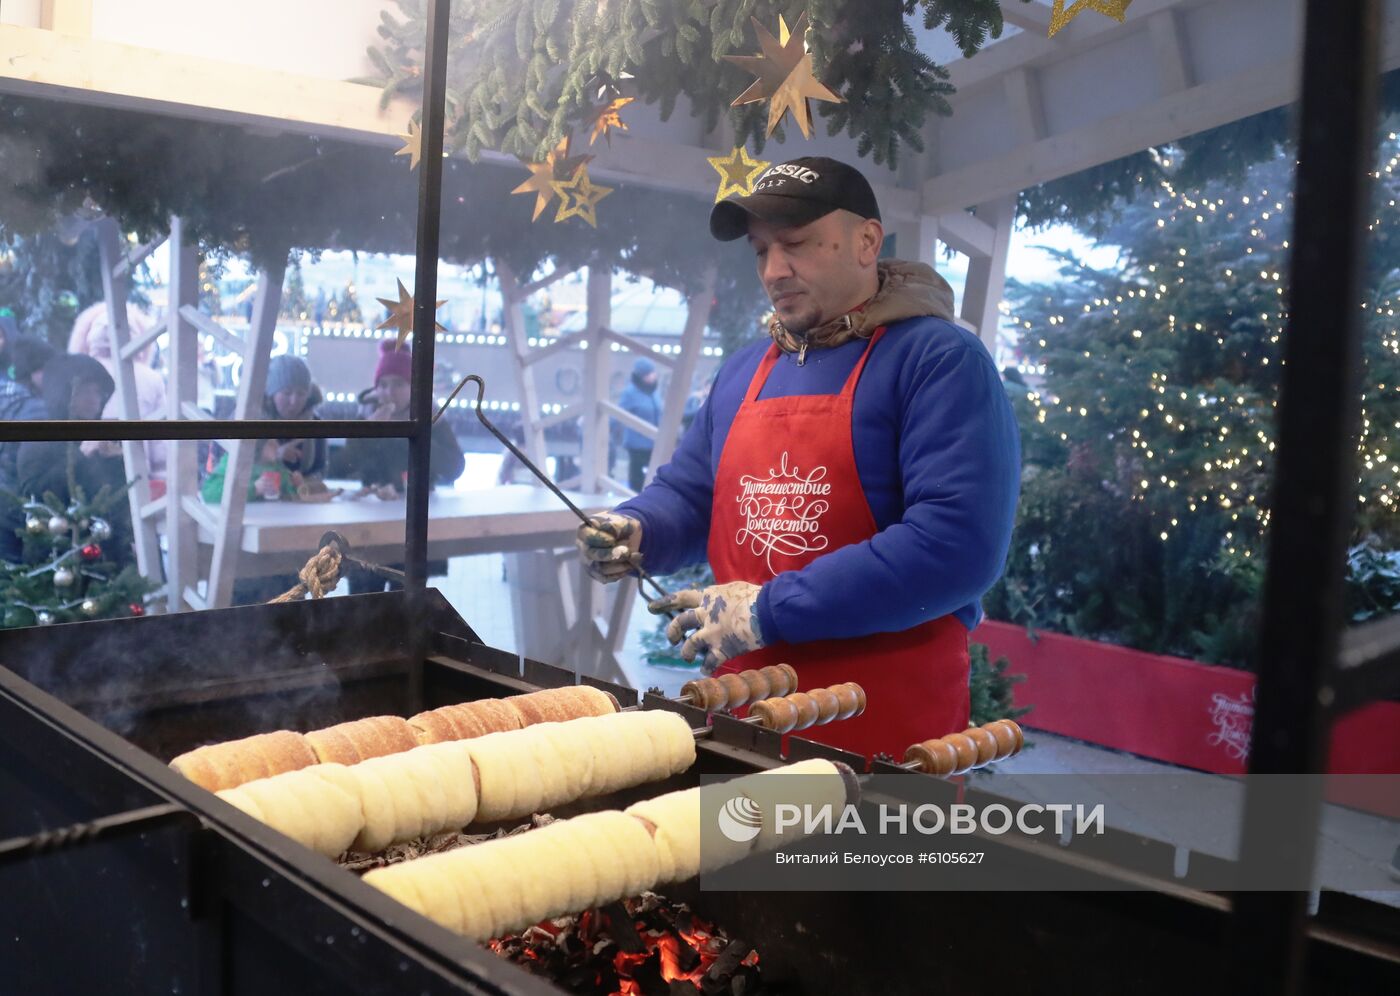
1180, 404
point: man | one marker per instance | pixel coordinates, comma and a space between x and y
78, 388
21, 400
639, 399
853, 481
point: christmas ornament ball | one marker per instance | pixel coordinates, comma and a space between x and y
91, 552
35, 525
43, 618
62, 577
58, 524
89, 607
100, 529
137, 609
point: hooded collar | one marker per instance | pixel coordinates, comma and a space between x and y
63, 372
907, 290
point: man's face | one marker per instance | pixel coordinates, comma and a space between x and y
87, 400
816, 272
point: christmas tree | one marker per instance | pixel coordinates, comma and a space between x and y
1148, 449
67, 575
295, 304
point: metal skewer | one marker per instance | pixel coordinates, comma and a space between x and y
530, 466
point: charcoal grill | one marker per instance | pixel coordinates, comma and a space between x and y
174, 891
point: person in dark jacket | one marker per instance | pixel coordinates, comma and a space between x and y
378, 463
290, 394
78, 387
639, 399
20, 401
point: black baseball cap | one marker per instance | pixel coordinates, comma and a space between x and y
796, 192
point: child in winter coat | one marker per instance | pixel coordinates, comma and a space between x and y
263, 485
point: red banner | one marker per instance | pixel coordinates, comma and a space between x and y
1167, 708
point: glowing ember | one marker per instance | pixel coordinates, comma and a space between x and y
640, 947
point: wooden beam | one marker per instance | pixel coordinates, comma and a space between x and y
966, 233
135, 258
613, 410
557, 346
1029, 17
135, 455
140, 342
697, 316
640, 348
512, 299
1027, 110
1030, 47
569, 413
209, 327
986, 275
1174, 116
1169, 48
228, 537
182, 458
102, 73
69, 17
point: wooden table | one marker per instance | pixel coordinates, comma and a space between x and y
559, 613
279, 536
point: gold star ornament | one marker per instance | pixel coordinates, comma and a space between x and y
737, 172
401, 314
557, 165
413, 145
604, 118
579, 197
785, 78
1060, 16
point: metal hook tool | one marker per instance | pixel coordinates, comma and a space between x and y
543, 477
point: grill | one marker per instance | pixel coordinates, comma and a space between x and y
136, 880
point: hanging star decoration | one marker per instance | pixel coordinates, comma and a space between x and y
401, 314
737, 172
602, 119
413, 145
784, 71
557, 165
584, 194
1059, 16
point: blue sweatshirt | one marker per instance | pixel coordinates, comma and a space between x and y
939, 458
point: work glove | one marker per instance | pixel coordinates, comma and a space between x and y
721, 620
610, 546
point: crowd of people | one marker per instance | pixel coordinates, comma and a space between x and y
37, 381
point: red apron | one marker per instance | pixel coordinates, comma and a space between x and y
787, 492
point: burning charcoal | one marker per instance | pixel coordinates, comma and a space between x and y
647, 976
618, 922
687, 958
725, 966
684, 987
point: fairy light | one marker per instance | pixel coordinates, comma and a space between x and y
1219, 459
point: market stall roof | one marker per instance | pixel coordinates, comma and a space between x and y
1027, 109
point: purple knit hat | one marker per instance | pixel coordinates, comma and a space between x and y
393, 362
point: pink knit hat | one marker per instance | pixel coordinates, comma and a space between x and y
393, 362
